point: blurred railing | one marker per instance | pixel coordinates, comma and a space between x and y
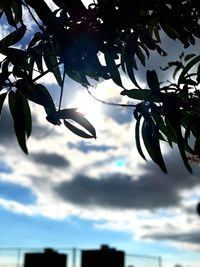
14, 257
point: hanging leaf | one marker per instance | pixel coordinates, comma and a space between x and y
78, 118
129, 67
152, 81
140, 55
189, 56
143, 94
37, 93
150, 134
113, 69
2, 99
17, 9
9, 14
21, 118
187, 68
51, 61
78, 76
171, 110
76, 130
12, 39
137, 137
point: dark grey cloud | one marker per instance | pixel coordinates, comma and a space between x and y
7, 133
87, 147
151, 190
119, 191
188, 237
50, 159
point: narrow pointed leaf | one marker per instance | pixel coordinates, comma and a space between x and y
12, 39
187, 68
51, 62
2, 99
137, 137
113, 69
77, 117
76, 130
152, 81
37, 93
18, 115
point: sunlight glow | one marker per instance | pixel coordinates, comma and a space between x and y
91, 108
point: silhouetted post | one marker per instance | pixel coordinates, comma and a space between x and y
18, 257
74, 257
160, 261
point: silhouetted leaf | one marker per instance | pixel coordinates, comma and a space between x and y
21, 118
76, 130
150, 134
141, 94
140, 55
172, 113
137, 137
78, 118
9, 14
129, 68
17, 9
189, 56
51, 62
36, 93
187, 68
12, 38
2, 99
152, 81
113, 69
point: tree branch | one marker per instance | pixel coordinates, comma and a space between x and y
110, 103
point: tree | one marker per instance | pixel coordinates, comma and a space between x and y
69, 40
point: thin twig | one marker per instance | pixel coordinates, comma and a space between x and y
62, 88
110, 103
46, 72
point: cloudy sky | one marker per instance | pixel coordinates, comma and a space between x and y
70, 192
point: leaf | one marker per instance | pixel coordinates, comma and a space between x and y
129, 68
189, 56
150, 134
9, 14
51, 62
161, 51
2, 99
76, 130
78, 76
12, 39
21, 118
171, 110
113, 69
77, 117
27, 116
17, 9
137, 137
152, 81
140, 55
141, 94
36, 93
187, 68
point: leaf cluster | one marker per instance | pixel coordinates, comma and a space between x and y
72, 38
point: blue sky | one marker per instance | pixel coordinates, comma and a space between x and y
69, 192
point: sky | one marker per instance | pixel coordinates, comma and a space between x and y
70, 192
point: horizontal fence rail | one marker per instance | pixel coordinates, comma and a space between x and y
14, 257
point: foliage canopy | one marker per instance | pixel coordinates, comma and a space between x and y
69, 39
